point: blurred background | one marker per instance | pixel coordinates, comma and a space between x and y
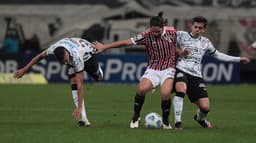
29, 26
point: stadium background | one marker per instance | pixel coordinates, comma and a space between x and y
33, 113
38, 23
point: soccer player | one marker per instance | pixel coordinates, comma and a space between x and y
160, 43
79, 55
188, 76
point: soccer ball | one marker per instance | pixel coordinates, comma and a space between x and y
153, 120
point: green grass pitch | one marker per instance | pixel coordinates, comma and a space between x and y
42, 114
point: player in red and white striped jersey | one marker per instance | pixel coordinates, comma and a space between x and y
160, 43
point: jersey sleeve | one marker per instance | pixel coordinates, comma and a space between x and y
79, 65
50, 50
210, 48
224, 57
139, 39
180, 38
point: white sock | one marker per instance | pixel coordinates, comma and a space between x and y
178, 107
75, 99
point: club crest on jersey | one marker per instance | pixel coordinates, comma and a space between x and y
203, 43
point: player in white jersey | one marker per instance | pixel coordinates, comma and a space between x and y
188, 77
79, 55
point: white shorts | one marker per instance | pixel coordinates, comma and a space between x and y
158, 77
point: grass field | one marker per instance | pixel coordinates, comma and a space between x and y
42, 114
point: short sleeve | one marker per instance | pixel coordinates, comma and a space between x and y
50, 50
210, 48
138, 39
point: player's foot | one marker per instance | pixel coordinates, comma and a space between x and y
204, 123
100, 74
135, 123
167, 126
178, 126
84, 123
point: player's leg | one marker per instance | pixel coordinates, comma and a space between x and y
198, 94
181, 80
93, 68
178, 100
203, 105
166, 82
145, 85
165, 91
84, 120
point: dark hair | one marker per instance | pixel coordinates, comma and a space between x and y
156, 21
59, 53
200, 19
165, 20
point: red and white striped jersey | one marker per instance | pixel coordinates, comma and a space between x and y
161, 50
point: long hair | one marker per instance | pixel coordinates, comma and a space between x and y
156, 21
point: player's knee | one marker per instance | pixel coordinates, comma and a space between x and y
180, 87
204, 107
142, 90
165, 94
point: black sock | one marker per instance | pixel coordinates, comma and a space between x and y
180, 94
138, 102
166, 105
202, 113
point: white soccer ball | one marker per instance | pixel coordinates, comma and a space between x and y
153, 120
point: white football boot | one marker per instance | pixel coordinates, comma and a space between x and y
167, 127
134, 124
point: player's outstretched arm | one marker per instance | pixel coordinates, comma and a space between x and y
79, 79
119, 44
23, 70
227, 58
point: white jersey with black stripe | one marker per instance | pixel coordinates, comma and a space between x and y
200, 46
80, 51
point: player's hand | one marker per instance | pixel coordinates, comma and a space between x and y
19, 73
244, 60
77, 113
186, 52
99, 46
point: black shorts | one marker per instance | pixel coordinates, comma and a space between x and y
196, 87
91, 66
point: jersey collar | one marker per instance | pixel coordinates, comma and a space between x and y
190, 34
164, 31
